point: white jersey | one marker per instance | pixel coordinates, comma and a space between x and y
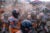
4, 19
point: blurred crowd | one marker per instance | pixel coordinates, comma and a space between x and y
27, 20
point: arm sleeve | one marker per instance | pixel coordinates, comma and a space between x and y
11, 19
